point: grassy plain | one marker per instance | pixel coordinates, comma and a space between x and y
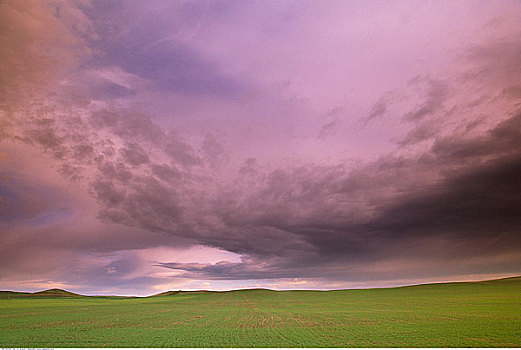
477, 314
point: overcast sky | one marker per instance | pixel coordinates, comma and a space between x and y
149, 146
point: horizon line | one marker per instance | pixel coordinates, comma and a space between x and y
257, 288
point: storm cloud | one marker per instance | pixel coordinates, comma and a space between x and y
164, 145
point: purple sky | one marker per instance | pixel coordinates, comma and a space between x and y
148, 146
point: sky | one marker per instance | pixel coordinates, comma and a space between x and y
166, 145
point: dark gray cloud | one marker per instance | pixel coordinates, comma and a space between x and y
301, 221
143, 202
165, 172
213, 150
497, 61
134, 154
502, 140
436, 94
378, 109
422, 132
305, 221
329, 128
181, 151
469, 208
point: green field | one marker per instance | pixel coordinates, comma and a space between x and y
477, 314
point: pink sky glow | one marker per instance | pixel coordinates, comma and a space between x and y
149, 146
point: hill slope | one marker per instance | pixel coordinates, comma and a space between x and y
56, 293
51, 293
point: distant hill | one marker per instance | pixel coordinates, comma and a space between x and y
56, 293
9, 294
176, 292
516, 279
501, 281
44, 293
508, 280
64, 293
168, 293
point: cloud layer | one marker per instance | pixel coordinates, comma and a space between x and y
165, 145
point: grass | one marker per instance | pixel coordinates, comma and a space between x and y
473, 314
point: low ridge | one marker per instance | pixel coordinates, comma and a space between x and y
56, 292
